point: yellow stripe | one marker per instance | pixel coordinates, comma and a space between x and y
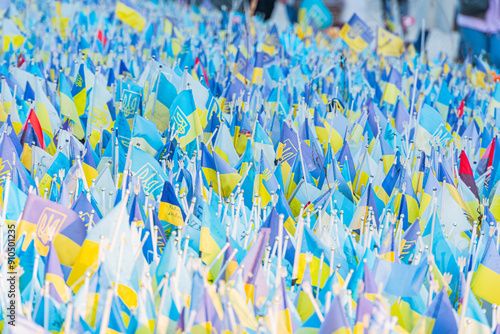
59, 285
130, 16
485, 284
128, 295
171, 213
86, 260
71, 249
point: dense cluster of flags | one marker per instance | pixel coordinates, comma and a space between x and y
172, 168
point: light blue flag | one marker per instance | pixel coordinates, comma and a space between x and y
146, 136
315, 11
149, 171
432, 130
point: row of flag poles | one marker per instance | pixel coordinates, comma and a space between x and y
171, 168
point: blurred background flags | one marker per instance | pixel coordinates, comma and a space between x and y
314, 11
11, 34
389, 44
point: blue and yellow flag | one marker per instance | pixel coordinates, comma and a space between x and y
159, 102
487, 276
356, 33
79, 91
229, 177
170, 209
149, 171
128, 13
212, 238
68, 107
45, 221
432, 131
393, 87
54, 275
315, 11
389, 44
184, 117
267, 180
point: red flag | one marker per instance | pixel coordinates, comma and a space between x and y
101, 37
20, 60
197, 63
485, 164
35, 123
460, 110
465, 172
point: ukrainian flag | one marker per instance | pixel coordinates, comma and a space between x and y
482, 72
11, 34
68, 107
409, 239
313, 245
145, 135
356, 33
486, 279
79, 91
159, 102
393, 87
432, 130
444, 99
287, 150
212, 238
128, 13
88, 164
438, 315
389, 44
55, 277
88, 255
170, 209
271, 41
315, 11
45, 221
335, 320
285, 311
229, 177
258, 68
409, 310
267, 180
184, 117
368, 199
495, 100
